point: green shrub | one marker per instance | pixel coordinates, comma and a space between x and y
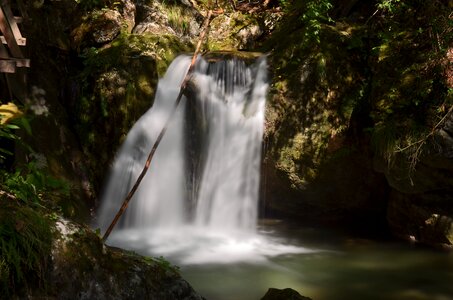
25, 245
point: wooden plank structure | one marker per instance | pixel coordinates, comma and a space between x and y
11, 39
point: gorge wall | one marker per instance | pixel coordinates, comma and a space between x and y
358, 125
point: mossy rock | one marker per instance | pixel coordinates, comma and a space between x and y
314, 92
118, 86
235, 31
85, 268
246, 56
43, 255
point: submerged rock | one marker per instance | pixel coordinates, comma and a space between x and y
284, 294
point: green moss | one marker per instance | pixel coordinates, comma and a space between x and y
382, 78
161, 48
83, 259
119, 82
317, 87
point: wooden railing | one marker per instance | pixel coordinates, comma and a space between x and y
11, 40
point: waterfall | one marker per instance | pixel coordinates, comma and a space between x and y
205, 173
231, 96
198, 201
159, 200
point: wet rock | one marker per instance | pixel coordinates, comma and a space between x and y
284, 294
314, 169
417, 218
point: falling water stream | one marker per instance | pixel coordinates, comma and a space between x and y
197, 205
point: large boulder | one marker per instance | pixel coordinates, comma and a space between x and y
43, 255
82, 267
317, 168
180, 19
420, 206
101, 26
353, 133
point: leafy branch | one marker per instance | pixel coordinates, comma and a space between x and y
414, 157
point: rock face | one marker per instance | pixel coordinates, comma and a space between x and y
421, 207
182, 20
344, 92
118, 86
241, 31
84, 268
316, 169
347, 113
103, 79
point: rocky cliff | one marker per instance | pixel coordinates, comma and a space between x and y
358, 117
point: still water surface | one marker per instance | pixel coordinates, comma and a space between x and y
318, 264
328, 267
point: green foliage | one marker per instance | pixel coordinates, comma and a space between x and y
31, 182
25, 237
90, 4
316, 13
11, 118
385, 140
410, 94
310, 16
7, 131
162, 262
25, 244
178, 18
388, 5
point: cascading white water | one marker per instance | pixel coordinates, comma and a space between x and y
232, 104
194, 207
160, 197
232, 95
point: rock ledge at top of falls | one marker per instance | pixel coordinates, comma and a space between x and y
84, 268
246, 56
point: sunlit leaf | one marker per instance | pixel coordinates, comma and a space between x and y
8, 112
